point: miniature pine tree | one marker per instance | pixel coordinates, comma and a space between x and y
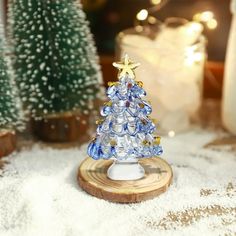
126, 133
54, 56
10, 116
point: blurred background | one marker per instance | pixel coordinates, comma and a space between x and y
108, 17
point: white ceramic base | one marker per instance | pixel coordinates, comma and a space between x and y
124, 170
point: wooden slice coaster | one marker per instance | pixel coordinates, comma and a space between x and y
7, 142
92, 177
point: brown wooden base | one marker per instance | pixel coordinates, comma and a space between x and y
92, 177
62, 128
7, 142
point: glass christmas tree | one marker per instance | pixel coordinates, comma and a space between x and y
126, 133
10, 115
55, 59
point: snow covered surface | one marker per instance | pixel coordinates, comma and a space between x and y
39, 194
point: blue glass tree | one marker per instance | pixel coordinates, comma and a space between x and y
126, 133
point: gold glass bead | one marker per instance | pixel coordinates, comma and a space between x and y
111, 83
140, 84
154, 121
108, 104
141, 105
98, 122
113, 143
93, 139
157, 140
146, 143
144, 122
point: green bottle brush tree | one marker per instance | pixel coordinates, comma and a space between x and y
10, 109
55, 61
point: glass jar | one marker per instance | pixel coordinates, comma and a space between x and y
172, 57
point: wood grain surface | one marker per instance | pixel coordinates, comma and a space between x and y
92, 177
62, 128
7, 142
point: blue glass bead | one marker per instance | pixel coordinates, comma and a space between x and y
146, 126
132, 128
138, 91
125, 79
99, 130
120, 152
94, 150
130, 98
113, 151
106, 151
105, 126
132, 109
111, 91
147, 108
119, 106
157, 150
122, 96
122, 91
146, 151
117, 128
151, 127
106, 110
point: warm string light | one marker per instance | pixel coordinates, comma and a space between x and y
155, 2
142, 15
203, 16
171, 133
207, 18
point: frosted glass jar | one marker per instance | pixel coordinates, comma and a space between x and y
172, 69
229, 91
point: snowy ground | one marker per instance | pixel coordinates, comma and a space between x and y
39, 195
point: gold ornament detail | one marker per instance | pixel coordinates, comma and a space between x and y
94, 139
108, 104
126, 67
113, 143
157, 140
146, 143
141, 105
144, 122
140, 84
111, 83
154, 121
99, 122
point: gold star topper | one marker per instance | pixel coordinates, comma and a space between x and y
126, 67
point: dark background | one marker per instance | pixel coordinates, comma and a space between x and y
108, 17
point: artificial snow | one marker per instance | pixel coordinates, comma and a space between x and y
39, 194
